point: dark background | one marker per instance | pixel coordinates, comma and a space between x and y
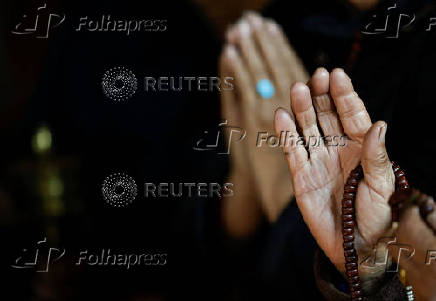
56, 82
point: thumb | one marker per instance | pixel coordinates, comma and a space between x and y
376, 165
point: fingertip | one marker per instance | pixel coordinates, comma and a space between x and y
244, 29
272, 27
300, 97
372, 137
299, 87
382, 127
230, 51
282, 120
254, 19
281, 115
321, 70
377, 132
340, 83
231, 34
320, 82
338, 72
227, 59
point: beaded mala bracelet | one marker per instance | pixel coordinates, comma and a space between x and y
402, 192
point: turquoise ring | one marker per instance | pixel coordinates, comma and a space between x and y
265, 88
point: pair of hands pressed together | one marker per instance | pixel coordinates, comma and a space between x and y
257, 49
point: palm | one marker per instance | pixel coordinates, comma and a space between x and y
318, 189
319, 175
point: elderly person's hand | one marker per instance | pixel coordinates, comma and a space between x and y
331, 107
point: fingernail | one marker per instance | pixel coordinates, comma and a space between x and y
255, 20
382, 132
321, 70
244, 28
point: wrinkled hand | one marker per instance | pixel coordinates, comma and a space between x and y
333, 108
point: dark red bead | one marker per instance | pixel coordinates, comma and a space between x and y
399, 174
348, 238
350, 189
404, 187
351, 266
354, 279
356, 294
349, 196
347, 217
347, 231
346, 211
351, 259
351, 252
356, 287
402, 182
347, 203
352, 181
352, 273
348, 245
357, 171
348, 224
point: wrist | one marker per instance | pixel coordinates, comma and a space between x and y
241, 213
371, 269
